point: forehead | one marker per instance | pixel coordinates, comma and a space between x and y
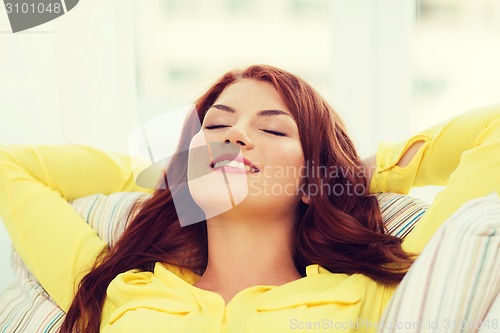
252, 94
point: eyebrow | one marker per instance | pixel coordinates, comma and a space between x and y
265, 113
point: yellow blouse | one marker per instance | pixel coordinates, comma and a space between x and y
37, 182
151, 302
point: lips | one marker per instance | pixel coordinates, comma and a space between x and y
236, 162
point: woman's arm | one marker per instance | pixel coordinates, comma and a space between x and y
36, 183
463, 154
370, 163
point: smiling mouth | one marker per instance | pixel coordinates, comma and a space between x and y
236, 162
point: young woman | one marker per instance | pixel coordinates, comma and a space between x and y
263, 260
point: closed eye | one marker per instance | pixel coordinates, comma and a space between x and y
209, 127
274, 132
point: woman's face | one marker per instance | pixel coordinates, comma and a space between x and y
253, 157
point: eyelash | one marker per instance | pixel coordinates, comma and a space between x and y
211, 127
274, 132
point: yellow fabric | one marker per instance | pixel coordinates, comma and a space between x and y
150, 302
462, 153
36, 184
57, 245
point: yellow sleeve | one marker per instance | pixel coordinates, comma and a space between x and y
462, 153
36, 183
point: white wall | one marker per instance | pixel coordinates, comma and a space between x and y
71, 80
372, 69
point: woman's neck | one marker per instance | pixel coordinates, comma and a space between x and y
247, 253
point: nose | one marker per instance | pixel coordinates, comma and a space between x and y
237, 136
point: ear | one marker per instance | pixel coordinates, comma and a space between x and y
306, 199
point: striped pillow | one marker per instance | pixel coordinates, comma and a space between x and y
26, 307
24, 304
400, 212
459, 270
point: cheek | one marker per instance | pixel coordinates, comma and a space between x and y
198, 157
288, 156
284, 166
198, 140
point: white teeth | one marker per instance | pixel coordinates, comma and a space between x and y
234, 164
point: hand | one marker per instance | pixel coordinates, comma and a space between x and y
369, 166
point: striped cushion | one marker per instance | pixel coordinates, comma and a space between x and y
459, 270
400, 212
26, 307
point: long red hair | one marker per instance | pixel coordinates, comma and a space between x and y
340, 230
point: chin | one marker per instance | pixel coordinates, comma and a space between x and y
215, 196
